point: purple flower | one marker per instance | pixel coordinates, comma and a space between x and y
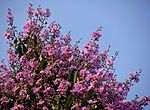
47, 13
75, 106
120, 90
22, 93
40, 102
78, 88
134, 76
36, 90
30, 10
96, 35
123, 101
109, 62
91, 101
19, 106
7, 35
4, 100
85, 108
45, 108
10, 17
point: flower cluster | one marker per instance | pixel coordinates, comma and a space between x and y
46, 72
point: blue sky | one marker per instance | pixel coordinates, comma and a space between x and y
126, 27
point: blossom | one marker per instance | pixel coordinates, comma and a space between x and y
47, 13
62, 88
78, 88
18, 106
101, 90
85, 108
123, 101
40, 102
95, 35
10, 17
54, 29
35, 12
45, 108
22, 93
36, 90
51, 73
91, 101
4, 100
120, 90
30, 10
1, 65
109, 62
134, 76
75, 106
7, 35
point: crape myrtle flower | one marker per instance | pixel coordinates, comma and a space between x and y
46, 72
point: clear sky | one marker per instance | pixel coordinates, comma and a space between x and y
126, 27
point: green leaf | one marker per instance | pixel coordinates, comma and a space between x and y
72, 77
40, 58
69, 101
75, 76
42, 64
84, 101
24, 48
11, 99
87, 97
19, 51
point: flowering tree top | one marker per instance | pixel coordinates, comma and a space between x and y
46, 72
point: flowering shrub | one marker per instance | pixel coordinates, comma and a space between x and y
46, 72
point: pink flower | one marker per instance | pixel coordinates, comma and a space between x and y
104, 54
109, 62
28, 97
30, 10
40, 102
71, 58
101, 89
85, 108
134, 76
88, 46
1, 65
4, 100
55, 30
14, 108
120, 90
123, 101
91, 101
119, 84
22, 93
35, 12
65, 49
78, 88
7, 35
36, 90
19, 106
10, 17
84, 72
45, 108
25, 36
57, 81
47, 13
75, 106
95, 35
